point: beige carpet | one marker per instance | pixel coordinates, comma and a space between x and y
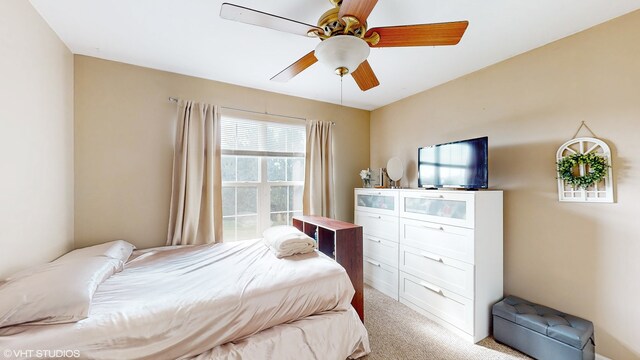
398, 332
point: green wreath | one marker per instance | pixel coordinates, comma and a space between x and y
597, 169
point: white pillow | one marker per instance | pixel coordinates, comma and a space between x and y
57, 292
281, 232
117, 249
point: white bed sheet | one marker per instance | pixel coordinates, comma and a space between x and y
333, 335
180, 302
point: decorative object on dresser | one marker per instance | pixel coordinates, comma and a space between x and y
438, 252
584, 170
395, 171
341, 241
377, 177
365, 175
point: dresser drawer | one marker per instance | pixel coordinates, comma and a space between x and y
380, 250
444, 272
382, 277
450, 241
448, 306
378, 201
381, 226
451, 208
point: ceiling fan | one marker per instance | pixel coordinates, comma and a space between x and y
346, 38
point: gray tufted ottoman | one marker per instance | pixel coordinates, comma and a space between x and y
542, 332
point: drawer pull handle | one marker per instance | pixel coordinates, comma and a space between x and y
431, 257
374, 240
375, 217
374, 263
433, 197
440, 228
436, 290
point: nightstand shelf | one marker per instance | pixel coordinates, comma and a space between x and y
342, 242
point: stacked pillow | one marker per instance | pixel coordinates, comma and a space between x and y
60, 291
285, 240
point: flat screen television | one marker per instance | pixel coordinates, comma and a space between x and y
459, 164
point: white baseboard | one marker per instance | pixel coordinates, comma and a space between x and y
600, 357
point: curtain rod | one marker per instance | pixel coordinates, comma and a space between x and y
172, 99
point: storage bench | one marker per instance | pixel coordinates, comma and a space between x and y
542, 332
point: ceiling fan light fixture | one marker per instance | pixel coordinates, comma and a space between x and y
342, 53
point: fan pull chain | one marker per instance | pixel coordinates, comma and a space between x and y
341, 89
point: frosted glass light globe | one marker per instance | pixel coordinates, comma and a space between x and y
342, 53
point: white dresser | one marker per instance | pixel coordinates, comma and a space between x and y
377, 211
449, 253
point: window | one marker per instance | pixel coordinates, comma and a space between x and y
262, 175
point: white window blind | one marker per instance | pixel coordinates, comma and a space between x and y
262, 175
251, 137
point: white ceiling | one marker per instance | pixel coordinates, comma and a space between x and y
189, 37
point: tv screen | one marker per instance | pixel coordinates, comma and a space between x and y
459, 164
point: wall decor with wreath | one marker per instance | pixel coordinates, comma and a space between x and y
584, 170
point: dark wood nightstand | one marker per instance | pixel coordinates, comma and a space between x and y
342, 241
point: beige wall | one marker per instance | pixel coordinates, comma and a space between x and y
36, 140
124, 133
580, 258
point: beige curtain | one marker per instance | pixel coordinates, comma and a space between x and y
196, 192
319, 189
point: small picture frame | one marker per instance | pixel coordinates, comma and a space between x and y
377, 177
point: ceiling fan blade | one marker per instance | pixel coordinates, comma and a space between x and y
420, 35
259, 18
364, 76
360, 9
296, 68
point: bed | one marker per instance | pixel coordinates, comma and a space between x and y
222, 301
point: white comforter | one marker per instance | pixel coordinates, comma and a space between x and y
180, 302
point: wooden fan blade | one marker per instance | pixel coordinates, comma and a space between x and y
360, 9
259, 18
364, 76
296, 68
420, 35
